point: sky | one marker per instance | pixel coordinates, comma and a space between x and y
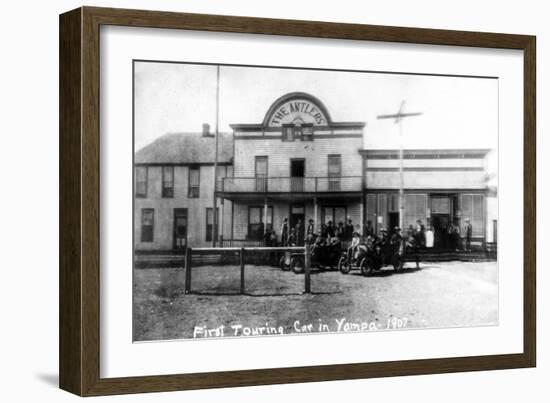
457, 112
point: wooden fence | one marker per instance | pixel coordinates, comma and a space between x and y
242, 252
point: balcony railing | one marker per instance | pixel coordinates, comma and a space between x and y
289, 184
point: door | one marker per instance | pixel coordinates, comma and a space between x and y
440, 224
180, 228
297, 218
297, 173
393, 221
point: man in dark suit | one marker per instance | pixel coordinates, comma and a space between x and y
348, 231
284, 232
299, 233
310, 232
468, 231
369, 229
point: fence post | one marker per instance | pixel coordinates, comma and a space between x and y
188, 253
241, 262
307, 264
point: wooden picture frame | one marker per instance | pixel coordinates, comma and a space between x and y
79, 348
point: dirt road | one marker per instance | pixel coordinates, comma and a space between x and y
437, 295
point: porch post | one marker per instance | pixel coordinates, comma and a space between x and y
315, 213
265, 215
220, 230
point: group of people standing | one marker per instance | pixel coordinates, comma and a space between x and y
452, 237
418, 234
298, 234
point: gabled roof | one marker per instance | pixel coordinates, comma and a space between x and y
186, 148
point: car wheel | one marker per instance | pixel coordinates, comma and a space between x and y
343, 265
283, 265
297, 265
366, 267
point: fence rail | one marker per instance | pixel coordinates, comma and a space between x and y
242, 251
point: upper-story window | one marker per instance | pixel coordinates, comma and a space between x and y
334, 172
288, 132
168, 181
298, 130
307, 132
141, 181
194, 182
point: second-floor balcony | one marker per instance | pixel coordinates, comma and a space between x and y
334, 184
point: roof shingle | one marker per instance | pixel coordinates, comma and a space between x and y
186, 148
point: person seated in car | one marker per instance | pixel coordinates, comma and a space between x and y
355, 241
396, 236
381, 244
397, 241
320, 239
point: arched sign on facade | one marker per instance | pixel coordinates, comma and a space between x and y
297, 108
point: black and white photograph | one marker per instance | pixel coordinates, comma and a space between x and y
276, 201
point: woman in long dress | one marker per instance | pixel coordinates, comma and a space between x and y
430, 237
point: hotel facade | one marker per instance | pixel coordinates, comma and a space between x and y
299, 163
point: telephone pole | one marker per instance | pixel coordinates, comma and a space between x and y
398, 119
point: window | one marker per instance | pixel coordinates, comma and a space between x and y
334, 172
393, 203
307, 132
256, 222
288, 132
147, 224
141, 181
260, 172
168, 181
336, 214
209, 226
194, 182
297, 132
416, 208
472, 209
441, 205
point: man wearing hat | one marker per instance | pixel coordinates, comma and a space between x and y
284, 232
396, 236
310, 231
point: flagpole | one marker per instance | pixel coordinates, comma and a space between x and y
401, 177
214, 199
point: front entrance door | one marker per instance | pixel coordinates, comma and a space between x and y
180, 228
297, 218
440, 224
297, 173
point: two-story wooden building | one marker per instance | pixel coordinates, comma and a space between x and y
174, 187
298, 163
